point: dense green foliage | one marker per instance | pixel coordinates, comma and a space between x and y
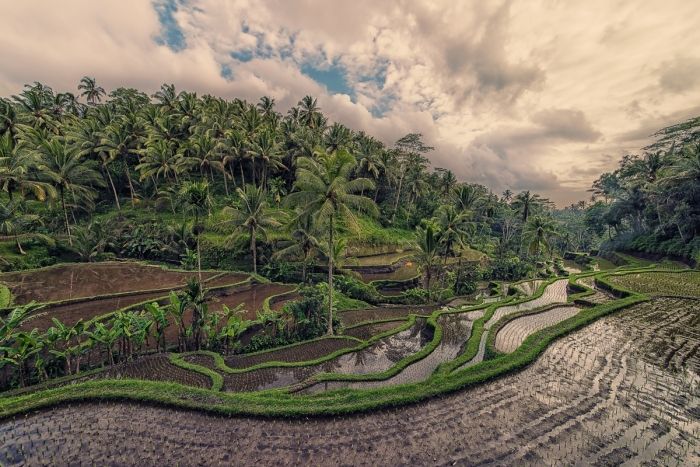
651, 203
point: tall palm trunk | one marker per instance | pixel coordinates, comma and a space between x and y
330, 278
19, 246
114, 190
223, 172
240, 165
65, 217
398, 195
131, 185
253, 250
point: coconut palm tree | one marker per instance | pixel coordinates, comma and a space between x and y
70, 174
428, 241
16, 225
250, 212
304, 243
325, 192
526, 202
266, 149
18, 168
197, 201
454, 227
538, 232
91, 91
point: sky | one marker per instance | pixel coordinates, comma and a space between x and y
539, 95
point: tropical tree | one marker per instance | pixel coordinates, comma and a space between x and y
197, 201
325, 192
18, 167
304, 242
538, 232
71, 174
250, 213
428, 242
526, 202
91, 91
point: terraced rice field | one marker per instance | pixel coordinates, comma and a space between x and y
456, 328
528, 288
353, 317
514, 333
378, 357
72, 281
366, 331
661, 283
553, 293
250, 298
296, 353
616, 391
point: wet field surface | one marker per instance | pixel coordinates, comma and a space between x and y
73, 281
623, 390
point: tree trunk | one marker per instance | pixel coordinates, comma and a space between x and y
131, 185
199, 261
223, 172
19, 246
398, 196
330, 279
114, 190
65, 217
253, 251
240, 165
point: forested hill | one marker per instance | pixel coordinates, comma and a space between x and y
90, 175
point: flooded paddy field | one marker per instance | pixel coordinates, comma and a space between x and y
73, 281
601, 395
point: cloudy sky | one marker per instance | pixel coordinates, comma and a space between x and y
536, 94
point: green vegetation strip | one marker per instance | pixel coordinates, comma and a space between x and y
279, 403
217, 381
5, 296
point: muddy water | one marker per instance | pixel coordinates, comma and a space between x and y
514, 333
378, 357
297, 353
599, 396
554, 293
88, 280
456, 329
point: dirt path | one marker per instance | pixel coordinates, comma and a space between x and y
603, 395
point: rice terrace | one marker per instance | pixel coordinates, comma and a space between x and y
394, 239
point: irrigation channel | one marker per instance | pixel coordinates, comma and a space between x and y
622, 390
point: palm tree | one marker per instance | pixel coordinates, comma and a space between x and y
18, 166
686, 166
538, 231
428, 241
160, 160
507, 196
454, 227
466, 197
304, 243
16, 225
70, 174
91, 91
326, 193
197, 201
266, 149
251, 213
308, 111
118, 143
526, 203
